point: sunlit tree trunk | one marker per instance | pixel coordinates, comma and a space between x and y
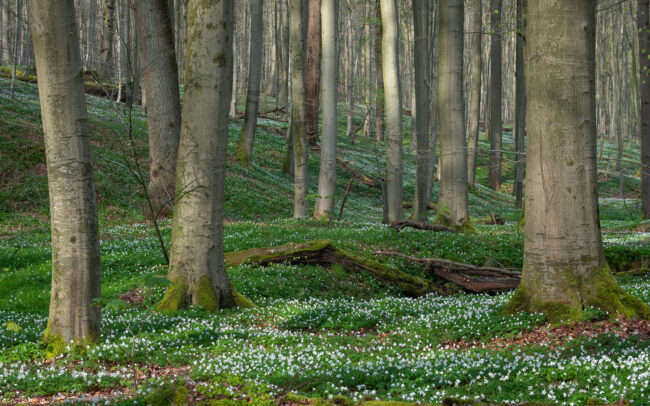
644, 50
245, 148
313, 69
106, 53
379, 94
160, 73
298, 109
196, 266
564, 265
73, 318
392, 93
520, 107
496, 93
327, 175
475, 88
453, 201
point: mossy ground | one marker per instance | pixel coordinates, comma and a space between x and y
310, 323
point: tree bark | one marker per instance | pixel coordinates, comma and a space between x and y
313, 69
454, 211
476, 25
520, 107
196, 265
421, 52
73, 208
496, 96
244, 152
327, 174
564, 265
106, 53
379, 94
298, 108
284, 54
5, 55
644, 50
160, 73
390, 68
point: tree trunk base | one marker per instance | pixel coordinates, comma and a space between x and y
179, 296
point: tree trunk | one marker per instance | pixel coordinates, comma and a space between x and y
296, 45
327, 174
520, 107
106, 52
284, 54
73, 317
196, 265
454, 211
390, 68
160, 72
496, 96
244, 152
379, 94
5, 55
422, 60
564, 265
476, 25
16, 40
313, 69
644, 50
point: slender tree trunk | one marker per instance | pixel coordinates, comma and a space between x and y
106, 52
284, 53
476, 29
379, 96
73, 317
235, 70
327, 175
453, 201
390, 68
421, 63
644, 127
564, 265
296, 45
520, 107
16, 39
496, 93
5, 55
197, 266
164, 109
244, 152
313, 69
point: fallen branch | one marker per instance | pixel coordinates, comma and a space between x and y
471, 277
399, 225
323, 253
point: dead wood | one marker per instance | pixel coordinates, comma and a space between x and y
399, 225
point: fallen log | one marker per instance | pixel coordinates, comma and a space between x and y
323, 253
399, 225
473, 278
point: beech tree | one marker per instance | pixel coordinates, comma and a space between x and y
392, 97
160, 74
475, 88
564, 265
73, 318
313, 69
298, 109
496, 95
327, 175
196, 268
245, 148
643, 20
453, 200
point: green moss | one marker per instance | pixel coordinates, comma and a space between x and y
603, 292
387, 403
241, 301
205, 294
175, 298
465, 226
54, 344
242, 156
173, 394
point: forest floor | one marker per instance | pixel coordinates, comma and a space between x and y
319, 335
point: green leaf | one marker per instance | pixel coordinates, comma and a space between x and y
154, 281
12, 326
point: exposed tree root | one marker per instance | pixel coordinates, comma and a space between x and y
471, 277
323, 253
399, 225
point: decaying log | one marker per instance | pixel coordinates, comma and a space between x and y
399, 225
471, 277
323, 253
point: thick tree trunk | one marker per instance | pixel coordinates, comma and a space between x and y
520, 107
496, 93
164, 109
475, 89
379, 94
106, 53
196, 265
564, 265
244, 152
390, 68
73, 317
327, 174
298, 108
422, 60
313, 69
454, 211
5, 55
644, 49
